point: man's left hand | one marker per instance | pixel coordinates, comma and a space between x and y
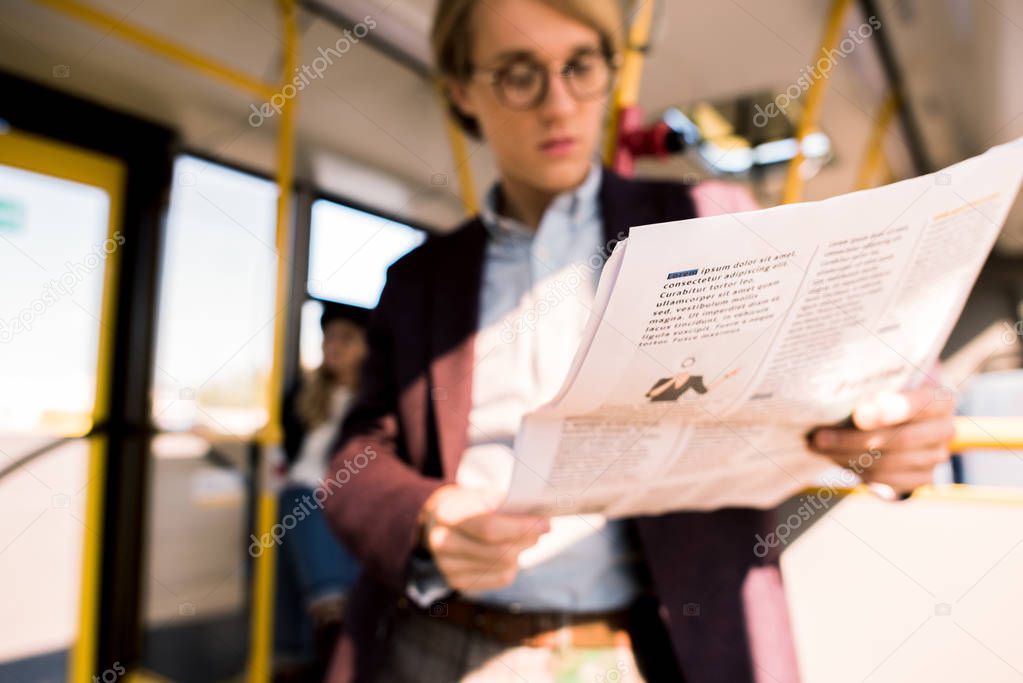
907, 433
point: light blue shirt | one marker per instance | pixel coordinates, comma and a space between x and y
537, 291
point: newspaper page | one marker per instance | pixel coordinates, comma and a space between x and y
716, 344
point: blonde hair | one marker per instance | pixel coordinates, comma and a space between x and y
452, 38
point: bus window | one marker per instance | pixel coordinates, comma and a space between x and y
214, 347
54, 231
215, 330
350, 250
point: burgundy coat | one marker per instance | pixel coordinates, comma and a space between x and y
724, 608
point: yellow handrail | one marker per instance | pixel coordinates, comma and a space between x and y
959, 493
460, 156
873, 158
626, 92
261, 626
814, 99
154, 43
994, 433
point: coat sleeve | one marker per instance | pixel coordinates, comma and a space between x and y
375, 495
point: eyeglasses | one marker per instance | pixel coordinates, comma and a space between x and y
523, 83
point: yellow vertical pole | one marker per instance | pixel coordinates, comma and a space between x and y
814, 99
261, 643
467, 186
460, 155
627, 89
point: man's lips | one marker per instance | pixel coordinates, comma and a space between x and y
559, 145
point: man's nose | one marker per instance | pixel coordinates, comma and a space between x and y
559, 100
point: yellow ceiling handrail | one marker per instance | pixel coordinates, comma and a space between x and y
161, 46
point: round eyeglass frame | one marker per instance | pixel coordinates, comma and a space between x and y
611, 61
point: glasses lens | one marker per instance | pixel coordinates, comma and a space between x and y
588, 75
521, 83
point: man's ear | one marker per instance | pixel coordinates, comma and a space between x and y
458, 91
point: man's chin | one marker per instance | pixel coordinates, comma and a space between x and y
562, 175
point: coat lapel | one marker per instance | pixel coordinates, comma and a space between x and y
456, 285
625, 203
613, 208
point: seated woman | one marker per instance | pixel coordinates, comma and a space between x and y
314, 571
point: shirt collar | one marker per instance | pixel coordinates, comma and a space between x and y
574, 205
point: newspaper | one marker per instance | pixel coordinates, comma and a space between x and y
716, 344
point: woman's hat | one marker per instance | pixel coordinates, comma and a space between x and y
332, 310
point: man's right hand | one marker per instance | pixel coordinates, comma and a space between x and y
475, 548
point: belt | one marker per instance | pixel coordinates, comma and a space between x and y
532, 629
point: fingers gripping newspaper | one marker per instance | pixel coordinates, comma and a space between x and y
716, 343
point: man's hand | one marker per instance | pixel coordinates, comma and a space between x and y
910, 430
475, 548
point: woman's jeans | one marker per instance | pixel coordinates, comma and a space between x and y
312, 564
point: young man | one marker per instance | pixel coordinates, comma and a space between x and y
460, 349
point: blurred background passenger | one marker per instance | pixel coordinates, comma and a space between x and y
314, 570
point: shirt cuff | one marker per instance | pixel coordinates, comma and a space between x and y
426, 585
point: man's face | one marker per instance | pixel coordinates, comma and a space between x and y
549, 147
